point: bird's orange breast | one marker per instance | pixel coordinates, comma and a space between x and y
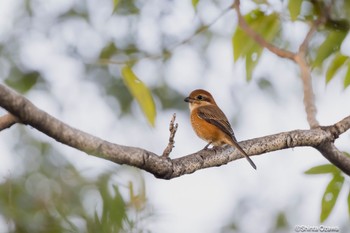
207, 131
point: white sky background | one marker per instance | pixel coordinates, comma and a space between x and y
207, 199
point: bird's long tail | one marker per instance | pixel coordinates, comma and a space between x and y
236, 145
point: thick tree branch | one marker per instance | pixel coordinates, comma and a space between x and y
159, 166
330, 152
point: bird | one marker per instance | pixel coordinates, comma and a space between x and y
210, 123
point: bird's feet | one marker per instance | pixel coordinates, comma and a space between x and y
214, 148
206, 147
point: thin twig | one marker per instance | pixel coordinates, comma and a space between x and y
303, 46
6, 121
172, 129
309, 97
313, 28
200, 29
300, 59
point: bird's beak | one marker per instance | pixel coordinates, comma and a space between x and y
188, 100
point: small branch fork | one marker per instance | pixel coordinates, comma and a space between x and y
328, 150
172, 129
162, 166
298, 58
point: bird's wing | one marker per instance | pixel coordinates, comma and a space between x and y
214, 116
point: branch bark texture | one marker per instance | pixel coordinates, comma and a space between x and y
165, 167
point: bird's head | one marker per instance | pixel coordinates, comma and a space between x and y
199, 98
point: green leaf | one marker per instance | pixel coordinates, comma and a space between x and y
108, 51
113, 206
115, 5
337, 62
141, 93
23, 83
294, 7
242, 43
330, 196
281, 221
245, 47
331, 45
118, 208
347, 77
323, 169
195, 3
251, 61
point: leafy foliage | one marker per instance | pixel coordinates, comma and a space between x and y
115, 5
55, 197
347, 77
245, 47
195, 3
330, 196
330, 45
335, 65
331, 193
323, 169
23, 82
294, 8
334, 28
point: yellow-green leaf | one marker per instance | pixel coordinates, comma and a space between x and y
141, 93
245, 47
250, 63
347, 77
195, 3
265, 25
294, 7
108, 51
322, 169
337, 62
115, 5
23, 82
330, 196
331, 45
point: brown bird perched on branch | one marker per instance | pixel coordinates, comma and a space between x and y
210, 123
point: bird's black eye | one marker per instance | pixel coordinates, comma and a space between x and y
200, 97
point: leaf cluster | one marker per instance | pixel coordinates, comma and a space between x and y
333, 188
51, 195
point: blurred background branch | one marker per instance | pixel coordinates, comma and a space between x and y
7, 120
